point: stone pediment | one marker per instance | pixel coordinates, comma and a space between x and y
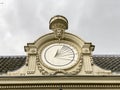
57, 53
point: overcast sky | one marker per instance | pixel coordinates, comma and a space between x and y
23, 21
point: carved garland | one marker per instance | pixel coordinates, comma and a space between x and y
44, 72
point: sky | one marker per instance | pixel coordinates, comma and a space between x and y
24, 21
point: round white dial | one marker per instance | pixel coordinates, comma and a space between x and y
59, 55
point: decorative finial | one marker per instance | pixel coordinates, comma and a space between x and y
58, 24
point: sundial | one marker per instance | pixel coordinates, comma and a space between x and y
60, 60
59, 51
60, 55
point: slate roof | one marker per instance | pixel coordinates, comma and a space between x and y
11, 63
107, 62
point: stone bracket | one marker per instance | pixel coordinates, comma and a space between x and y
88, 48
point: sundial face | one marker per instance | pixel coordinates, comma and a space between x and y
59, 55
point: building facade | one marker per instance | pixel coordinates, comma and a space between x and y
60, 61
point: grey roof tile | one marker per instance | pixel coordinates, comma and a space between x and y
108, 62
11, 63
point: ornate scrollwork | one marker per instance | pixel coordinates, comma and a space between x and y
42, 71
55, 72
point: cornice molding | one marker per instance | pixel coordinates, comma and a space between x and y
44, 82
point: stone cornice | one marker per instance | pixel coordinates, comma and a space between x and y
39, 82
